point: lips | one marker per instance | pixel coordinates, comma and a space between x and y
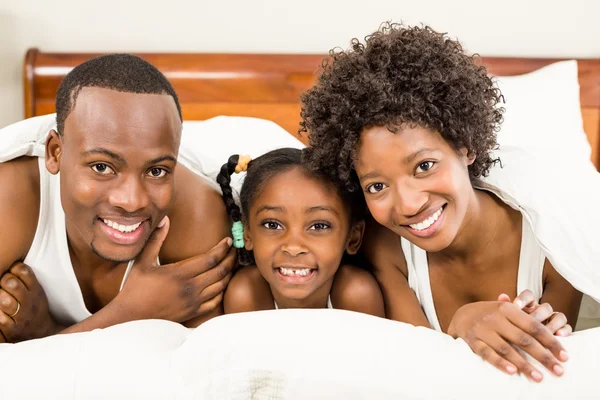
295, 274
428, 226
124, 233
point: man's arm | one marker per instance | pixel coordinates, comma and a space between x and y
19, 209
199, 220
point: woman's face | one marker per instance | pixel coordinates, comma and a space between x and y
415, 184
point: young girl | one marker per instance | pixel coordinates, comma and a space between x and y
410, 120
292, 231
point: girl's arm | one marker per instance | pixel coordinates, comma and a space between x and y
355, 289
247, 291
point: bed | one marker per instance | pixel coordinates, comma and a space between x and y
266, 85
340, 354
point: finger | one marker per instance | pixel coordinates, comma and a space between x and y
491, 356
504, 298
513, 336
211, 305
8, 304
2, 338
216, 288
152, 248
556, 321
535, 339
525, 300
6, 324
221, 257
26, 275
564, 331
13, 286
543, 312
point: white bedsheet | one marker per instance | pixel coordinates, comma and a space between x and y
283, 354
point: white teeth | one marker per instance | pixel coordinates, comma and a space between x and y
121, 228
294, 271
428, 222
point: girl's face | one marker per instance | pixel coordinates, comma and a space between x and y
415, 184
299, 229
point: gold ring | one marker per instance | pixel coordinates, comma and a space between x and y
16, 312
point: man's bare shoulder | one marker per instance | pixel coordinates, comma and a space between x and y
198, 217
19, 208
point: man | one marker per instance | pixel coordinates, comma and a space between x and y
109, 227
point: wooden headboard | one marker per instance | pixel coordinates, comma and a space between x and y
264, 85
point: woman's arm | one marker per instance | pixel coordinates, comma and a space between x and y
559, 293
383, 250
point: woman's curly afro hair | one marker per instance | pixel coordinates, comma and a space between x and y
400, 76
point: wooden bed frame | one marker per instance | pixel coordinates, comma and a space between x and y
264, 86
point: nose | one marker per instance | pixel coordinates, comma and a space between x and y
129, 194
293, 244
408, 201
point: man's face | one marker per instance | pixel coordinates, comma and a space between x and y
117, 158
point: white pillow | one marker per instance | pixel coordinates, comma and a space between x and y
543, 112
210, 143
278, 354
548, 174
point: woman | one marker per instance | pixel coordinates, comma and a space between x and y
411, 120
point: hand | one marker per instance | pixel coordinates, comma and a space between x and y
180, 291
557, 322
24, 311
492, 328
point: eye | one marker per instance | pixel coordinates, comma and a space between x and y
320, 226
376, 187
157, 172
102, 169
425, 166
272, 225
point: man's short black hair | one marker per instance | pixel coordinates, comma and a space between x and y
120, 72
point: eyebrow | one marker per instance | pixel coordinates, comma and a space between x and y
120, 159
105, 152
322, 208
410, 158
269, 208
162, 158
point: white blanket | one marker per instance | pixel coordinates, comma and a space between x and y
283, 354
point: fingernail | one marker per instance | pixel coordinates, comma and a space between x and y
564, 356
558, 370
519, 303
163, 222
229, 241
537, 376
11, 284
511, 369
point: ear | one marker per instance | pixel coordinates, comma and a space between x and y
469, 158
355, 237
54, 149
247, 237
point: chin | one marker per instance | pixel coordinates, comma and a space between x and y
117, 255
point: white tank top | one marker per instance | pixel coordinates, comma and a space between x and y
49, 256
530, 275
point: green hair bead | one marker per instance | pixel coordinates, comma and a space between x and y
238, 234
